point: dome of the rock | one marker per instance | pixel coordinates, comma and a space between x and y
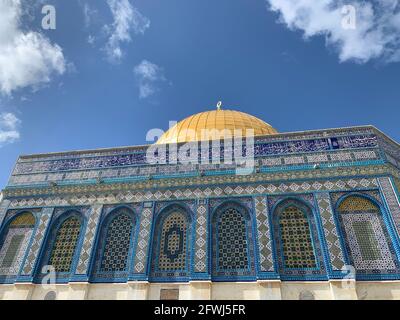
209, 125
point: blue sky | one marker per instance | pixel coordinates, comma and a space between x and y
112, 70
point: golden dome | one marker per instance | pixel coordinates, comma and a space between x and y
200, 126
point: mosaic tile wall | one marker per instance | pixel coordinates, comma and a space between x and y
259, 207
285, 170
194, 192
357, 231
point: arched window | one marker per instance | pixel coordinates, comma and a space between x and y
66, 240
15, 240
297, 247
173, 243
367, 240
232, 243
298, 251
170, 257
117, 244
114, 246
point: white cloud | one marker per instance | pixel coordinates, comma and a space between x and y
127, 20
148, 76
27, 58
9, 124
88, 13
377, 32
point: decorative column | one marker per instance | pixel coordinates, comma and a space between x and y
331, 233
200, 245
266, 263
82, 268
142, 249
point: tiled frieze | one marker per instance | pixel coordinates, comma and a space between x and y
38, 238
264, 174
316, 134
264, 234
330, 231
139, 158
200, 245
88, 241
141, 254
391, 149
197, 192
141, 172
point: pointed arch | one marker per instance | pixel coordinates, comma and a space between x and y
171, 250
15, 239
298, 250
64, 247
295, 233
62, 244
232, 243
366, 237
114, 246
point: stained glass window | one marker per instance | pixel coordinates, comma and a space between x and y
64, 247
232, 241
296, 242
117, 244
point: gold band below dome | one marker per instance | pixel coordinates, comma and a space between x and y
216, 124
